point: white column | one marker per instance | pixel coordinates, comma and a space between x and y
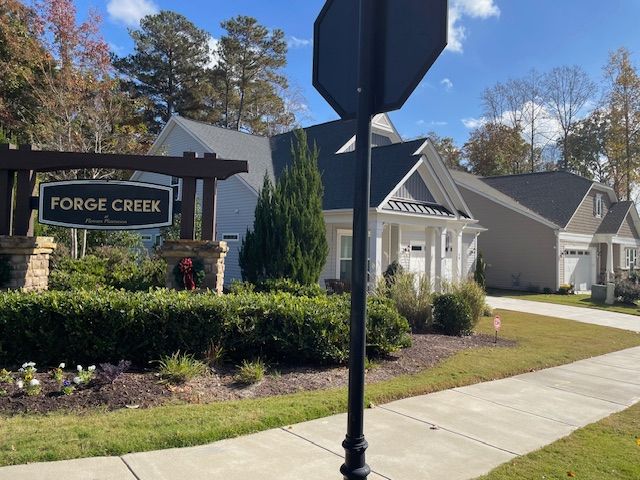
440, 254
456, 256
375, 250
430, 254
610, 272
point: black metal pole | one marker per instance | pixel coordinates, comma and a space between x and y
355, 445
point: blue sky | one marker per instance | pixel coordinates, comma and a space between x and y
490, 41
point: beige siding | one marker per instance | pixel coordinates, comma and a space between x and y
584, 221
628, 229
520, 252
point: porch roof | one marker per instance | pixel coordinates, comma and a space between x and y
612, 221
413, 206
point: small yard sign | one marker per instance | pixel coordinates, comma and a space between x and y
105, 205
497, 323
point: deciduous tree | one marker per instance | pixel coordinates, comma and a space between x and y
496, 149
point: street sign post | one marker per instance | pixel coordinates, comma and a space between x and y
369, 55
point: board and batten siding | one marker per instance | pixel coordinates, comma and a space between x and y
627, 229
584, 220
520, 252
470, 252
414, 189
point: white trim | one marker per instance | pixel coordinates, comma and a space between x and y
347, 145
578, 237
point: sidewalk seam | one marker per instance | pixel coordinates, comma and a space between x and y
325, 449
564, 367
516, 409
130, 469
610, 365
571, 391
440, 427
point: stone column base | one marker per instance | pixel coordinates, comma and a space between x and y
28, 260
211, 254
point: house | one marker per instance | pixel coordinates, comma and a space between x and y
417, 216
551, 228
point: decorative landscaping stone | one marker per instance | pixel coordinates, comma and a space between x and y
211, 254
28, 258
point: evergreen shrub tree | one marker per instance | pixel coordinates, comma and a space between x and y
288, 239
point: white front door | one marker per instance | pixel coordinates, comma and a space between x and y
577, 269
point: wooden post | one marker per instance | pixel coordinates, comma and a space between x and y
7, 179
187, 230
209, 194
25, 184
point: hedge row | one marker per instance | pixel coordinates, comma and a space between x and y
109, 325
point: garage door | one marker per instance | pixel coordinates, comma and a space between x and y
577, 269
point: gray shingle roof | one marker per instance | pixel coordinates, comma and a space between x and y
389, 165
553, 195
234, 145
612, 221
464, 179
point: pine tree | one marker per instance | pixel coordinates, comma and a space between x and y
289, 237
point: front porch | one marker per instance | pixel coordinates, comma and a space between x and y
443, 250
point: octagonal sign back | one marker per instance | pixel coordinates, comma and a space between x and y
409, 37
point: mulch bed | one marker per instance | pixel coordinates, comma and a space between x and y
144, 390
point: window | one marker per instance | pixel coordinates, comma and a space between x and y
631, 255
598, 206
230, 237
448, 243
345, 253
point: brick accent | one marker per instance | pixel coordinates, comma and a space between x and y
29, 260
211, 254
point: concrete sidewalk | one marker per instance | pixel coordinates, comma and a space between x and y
455, 434
579, 314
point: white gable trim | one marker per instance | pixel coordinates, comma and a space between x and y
380, 124
402, 182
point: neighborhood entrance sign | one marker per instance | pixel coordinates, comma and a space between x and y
369, 55
105, 205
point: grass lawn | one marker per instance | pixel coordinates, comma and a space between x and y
579, 300
542, 342
607, 449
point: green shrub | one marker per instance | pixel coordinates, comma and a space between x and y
452, 315
479, 275
250, 372
566, 289
411, 296
84, 326
392, 270
628, 291
108, 267
277, 285
180, 368
474, 296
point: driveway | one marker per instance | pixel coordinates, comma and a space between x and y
579, 314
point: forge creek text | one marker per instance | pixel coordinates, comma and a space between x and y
80, 204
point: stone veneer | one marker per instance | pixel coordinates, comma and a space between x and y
211, 254
29, 261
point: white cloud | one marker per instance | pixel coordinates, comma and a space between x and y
432, 123
214, 54
458, 9
471, 122
448, 84
295, 42
130, 12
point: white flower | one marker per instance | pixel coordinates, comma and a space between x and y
62, 365
31, 364
21, 369
34, 383
92, 368
79, 367
25, 365
77, 380
20, 384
